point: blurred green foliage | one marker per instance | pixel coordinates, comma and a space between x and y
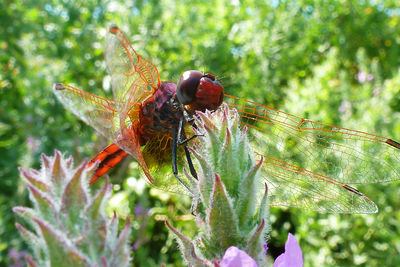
332, 61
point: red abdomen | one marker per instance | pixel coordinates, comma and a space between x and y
109, 157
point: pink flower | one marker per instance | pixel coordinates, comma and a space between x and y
345, 106
362, 77
235, 257
292, 256
265, 248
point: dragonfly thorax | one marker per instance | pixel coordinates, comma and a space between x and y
160, 113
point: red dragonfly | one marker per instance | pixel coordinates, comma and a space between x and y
307, 164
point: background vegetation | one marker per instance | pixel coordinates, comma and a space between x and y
332, 61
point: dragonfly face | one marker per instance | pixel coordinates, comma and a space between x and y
306, 164
199, 91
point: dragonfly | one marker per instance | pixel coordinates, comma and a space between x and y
306, 164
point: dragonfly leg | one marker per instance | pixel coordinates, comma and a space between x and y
174, 165
182, 134
190, 163
185, 140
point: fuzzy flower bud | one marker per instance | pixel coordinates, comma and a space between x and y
227, 194
67, 225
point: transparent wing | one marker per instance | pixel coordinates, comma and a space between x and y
133, 78
292, 186
100, 113
302, 158
158, 156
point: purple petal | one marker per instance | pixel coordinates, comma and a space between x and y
138, 210
235, 257
361, 77
292, 257
265, 248
344, 106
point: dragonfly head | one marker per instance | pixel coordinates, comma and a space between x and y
199, 91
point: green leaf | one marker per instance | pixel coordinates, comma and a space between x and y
32, 239
26, 213
206, 181
74, 198
263, 212
255, 244
121, 251
213, 142
222, 222
57, 174
96, 218
226, 168
187, 247
32, 178
247, 199
112, 233
61, 253
42, 203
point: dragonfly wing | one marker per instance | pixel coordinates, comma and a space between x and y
100, 113
350, 156
158, 156
309, 164
133, 78
292, 186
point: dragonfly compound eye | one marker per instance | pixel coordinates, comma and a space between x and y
187, 86
199, 91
